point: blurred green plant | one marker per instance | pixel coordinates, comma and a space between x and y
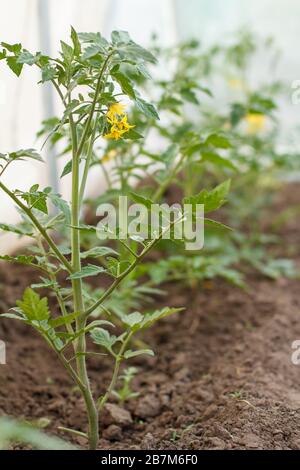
14, 432
125, 393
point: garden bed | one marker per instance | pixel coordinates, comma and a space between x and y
222, 378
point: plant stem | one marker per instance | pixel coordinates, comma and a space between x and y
80, 345
39, 228
114, 379
87, 162
77, 195
99, 87
89, 119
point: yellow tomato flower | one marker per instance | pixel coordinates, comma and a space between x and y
118, 120
256, 123
115, 109
124, 124
115, 133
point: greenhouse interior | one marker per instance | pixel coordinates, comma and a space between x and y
149, 229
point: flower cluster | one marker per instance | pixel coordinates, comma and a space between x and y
117, 119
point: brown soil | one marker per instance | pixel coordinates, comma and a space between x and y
222, 377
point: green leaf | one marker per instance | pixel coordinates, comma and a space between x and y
36, 199
216, 224
12, 316
65, 320
132, 135
89, 37
261, 104
143, 71
103, 338
18, 229
48, 73
141, 200
76, 42
147, 108
33, 307
189, 95
21, 259
125, 83
98, 251
218, 160
67, 169
120, 37
20, 155
85, 228
115, 268
27, 58
62, 205
212, 200
129, 353
151, 318
95, 39
14, 65
92, 51
12, 431
133, 319
238, 111
136, 53
67, 52
45, 284
14, 48
218, 141
87, 271
97, 323
205, 90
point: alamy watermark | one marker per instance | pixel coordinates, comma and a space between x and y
148, 221
295, 357
2, 353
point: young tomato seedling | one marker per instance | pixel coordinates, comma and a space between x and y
89, 76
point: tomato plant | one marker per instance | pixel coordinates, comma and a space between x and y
89, 77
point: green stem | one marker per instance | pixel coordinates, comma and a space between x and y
114, 379
87, 162
52, 277
93, 435
80, 345
97, 92
99, 87
38, 227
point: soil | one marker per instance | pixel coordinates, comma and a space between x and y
222, 377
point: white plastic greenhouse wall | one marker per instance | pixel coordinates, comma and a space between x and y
40, 24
